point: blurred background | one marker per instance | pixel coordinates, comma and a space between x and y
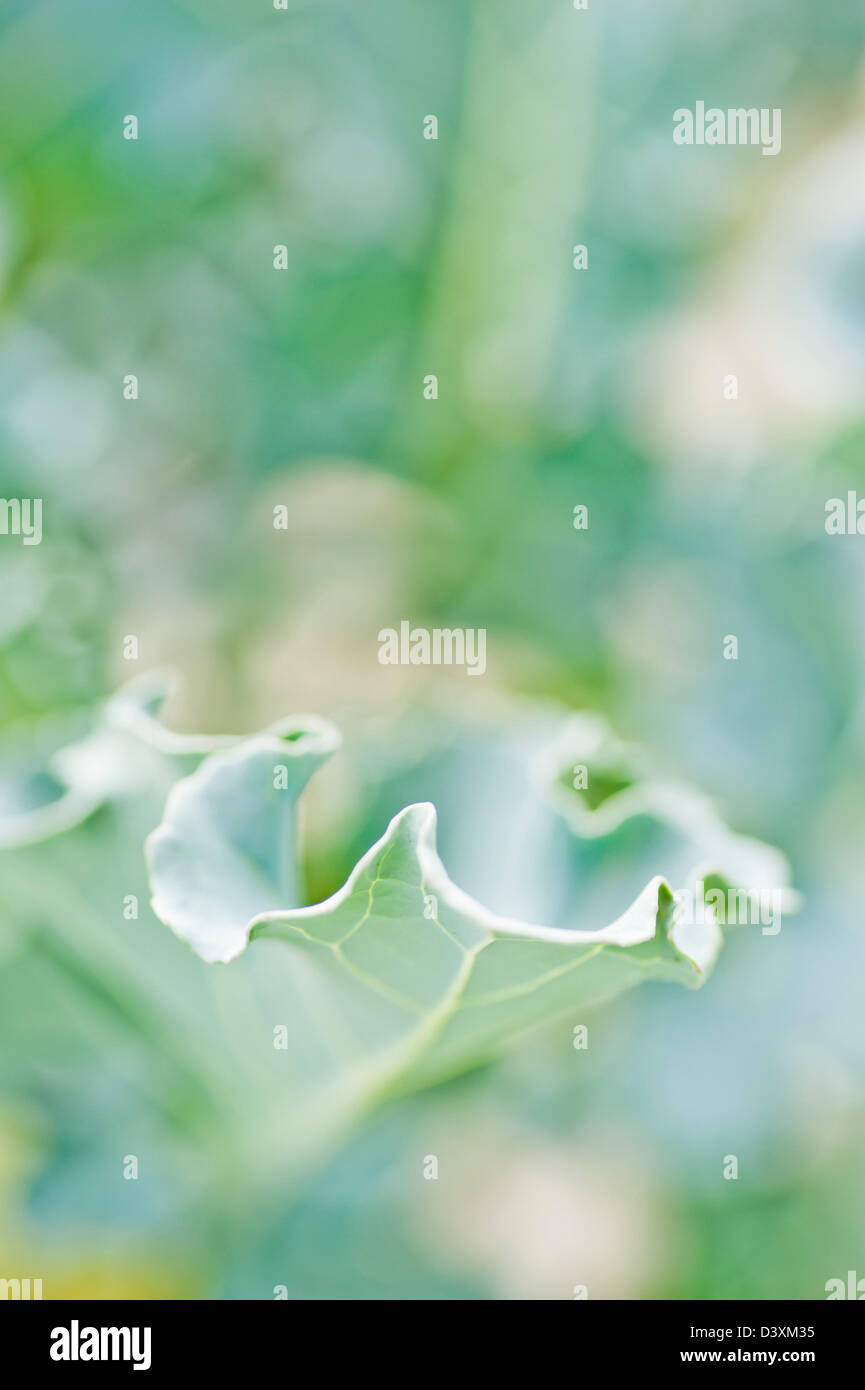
556, 387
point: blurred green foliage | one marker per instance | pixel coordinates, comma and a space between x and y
557, 387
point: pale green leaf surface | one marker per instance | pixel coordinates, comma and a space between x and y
225, 850
403, 977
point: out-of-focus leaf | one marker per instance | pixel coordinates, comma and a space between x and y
621, 785
127, 751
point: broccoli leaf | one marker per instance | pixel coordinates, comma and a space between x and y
407, 978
